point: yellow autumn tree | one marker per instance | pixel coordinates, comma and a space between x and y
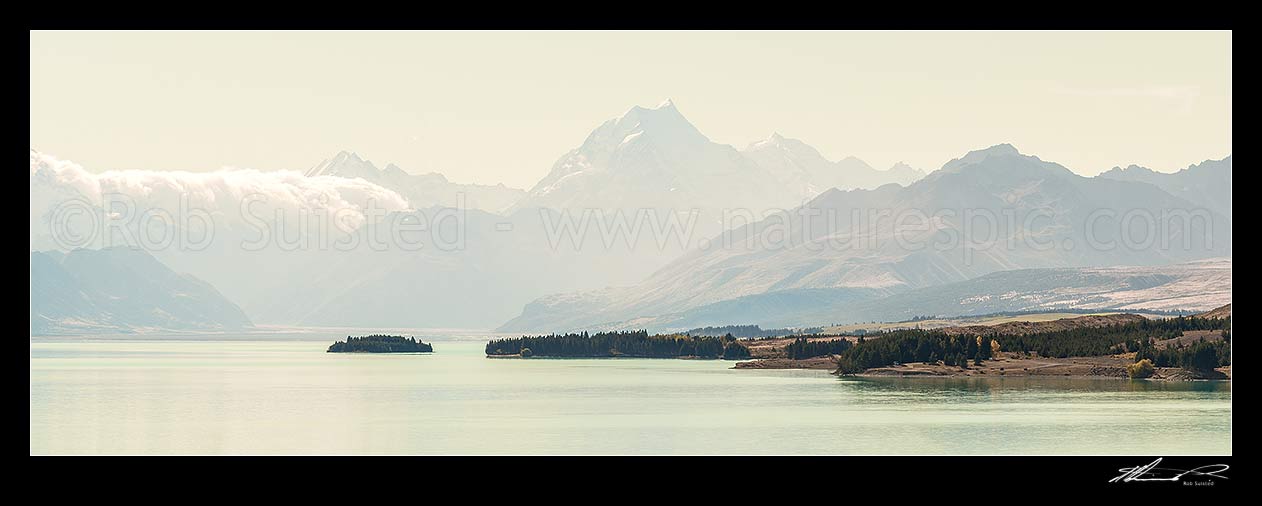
1141, 369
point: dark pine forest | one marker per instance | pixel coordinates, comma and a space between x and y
378, 343
915, 345
636, 343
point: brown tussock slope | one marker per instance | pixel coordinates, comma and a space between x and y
1022, 328
1219, 312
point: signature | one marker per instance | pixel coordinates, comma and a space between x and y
1151, 472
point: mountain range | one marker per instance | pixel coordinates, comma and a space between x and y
803, 165
1207, 183
433, 288
991, 210
822, 237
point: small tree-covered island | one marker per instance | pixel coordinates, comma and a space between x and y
379, 343
635, 343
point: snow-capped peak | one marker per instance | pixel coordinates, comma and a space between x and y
346, 164
665, 106
346, 156
663, 110
393, 170
779, 142
773, 140
663, 127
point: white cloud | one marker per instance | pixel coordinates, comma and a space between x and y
55, 182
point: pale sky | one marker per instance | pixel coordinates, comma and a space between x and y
492, 107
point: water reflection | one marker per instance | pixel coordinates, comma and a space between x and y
1055, 384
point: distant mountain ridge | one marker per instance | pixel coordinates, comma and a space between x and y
121, 290
1207, 183
802, 164
421, 190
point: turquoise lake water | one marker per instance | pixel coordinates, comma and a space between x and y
287, 396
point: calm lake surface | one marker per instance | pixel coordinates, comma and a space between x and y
286, 395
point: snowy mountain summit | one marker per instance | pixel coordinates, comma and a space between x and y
656, 158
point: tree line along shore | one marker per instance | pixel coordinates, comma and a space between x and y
1117, 345
633, 343
1122, 345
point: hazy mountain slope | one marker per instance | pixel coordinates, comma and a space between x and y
119, 289
798, 305
1207, 183
1188, 286
462, 273
991, 210
498, 264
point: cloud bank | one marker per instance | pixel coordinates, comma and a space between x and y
58, 185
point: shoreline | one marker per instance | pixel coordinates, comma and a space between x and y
771, 353
378, 352
609, 357
1006, 365
814, 363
